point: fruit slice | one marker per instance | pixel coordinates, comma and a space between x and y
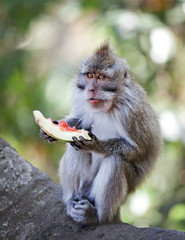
60, 131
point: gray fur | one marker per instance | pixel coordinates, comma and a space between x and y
98, 175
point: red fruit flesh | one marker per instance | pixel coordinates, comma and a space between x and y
63, 126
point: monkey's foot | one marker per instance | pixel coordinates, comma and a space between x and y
82, 211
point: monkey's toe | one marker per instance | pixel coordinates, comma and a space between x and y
81, 204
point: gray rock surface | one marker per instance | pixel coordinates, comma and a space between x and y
31, 208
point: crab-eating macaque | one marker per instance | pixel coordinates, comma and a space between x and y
98, 175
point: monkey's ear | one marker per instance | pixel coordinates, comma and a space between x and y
127, 73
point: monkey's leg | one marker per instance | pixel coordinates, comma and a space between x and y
73, 172
109, 188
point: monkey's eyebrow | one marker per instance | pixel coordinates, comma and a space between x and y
84, 73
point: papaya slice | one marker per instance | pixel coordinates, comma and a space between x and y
60, 131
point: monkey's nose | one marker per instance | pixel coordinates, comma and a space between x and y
92, 86
91, 90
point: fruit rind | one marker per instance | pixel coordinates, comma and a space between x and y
54, 130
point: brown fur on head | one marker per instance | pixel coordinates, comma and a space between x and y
102, 58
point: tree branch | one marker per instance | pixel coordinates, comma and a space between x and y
31, 208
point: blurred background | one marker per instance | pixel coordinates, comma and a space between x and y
41, 46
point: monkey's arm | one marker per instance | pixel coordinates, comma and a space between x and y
114, 146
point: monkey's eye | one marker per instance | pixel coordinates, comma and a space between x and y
101, 76
89, 75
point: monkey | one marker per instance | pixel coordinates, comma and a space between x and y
98, 175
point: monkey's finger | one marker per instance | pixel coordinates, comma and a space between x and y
82, 140
77, 202
76, 213
74, 203
73, 144
76, 140
51, 140
80, 207
91, 135
86, 143
78, 198
55, 121
78, 143
42, 133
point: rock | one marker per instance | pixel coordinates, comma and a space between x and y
31, 208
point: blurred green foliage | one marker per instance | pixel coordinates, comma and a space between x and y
42, 43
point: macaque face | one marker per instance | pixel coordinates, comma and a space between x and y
100, 90
100, 78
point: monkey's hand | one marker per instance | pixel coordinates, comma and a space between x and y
85, 145
46, 137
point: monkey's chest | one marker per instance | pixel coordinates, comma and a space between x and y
105, 127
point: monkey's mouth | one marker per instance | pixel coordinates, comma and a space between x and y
94, 101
